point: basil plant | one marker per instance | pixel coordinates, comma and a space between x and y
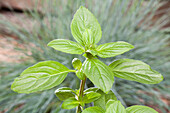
87, 32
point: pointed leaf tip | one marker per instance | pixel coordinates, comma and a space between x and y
83, 20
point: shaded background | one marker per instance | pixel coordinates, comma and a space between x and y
27, 26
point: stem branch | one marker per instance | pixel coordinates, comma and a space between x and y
81, 94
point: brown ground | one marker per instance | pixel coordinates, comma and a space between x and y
8, 53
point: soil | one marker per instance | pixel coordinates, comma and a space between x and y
8, 51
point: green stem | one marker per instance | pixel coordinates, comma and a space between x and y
81, 94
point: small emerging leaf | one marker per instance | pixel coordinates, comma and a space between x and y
41, 76
99, 73
80, 74
115, 107
135, 70
90, 97
140, 109
76, 63
70, 103
66, 46
94, 109
64, 93
83, 20
101, 102
113, 49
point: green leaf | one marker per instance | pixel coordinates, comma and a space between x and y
80, 74
41, 76
136, 71
90, 97
88, 38
115, 107
99, 73
94, 110
101, 102
113, 49
92, 89
66, 46
70, 103
83, 21
76, 63
65, 93
140, 109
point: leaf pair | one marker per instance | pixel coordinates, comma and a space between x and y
103, 76
87, 32
71, 100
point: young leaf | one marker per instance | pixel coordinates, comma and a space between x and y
66, 46
101, 102
140, 109
83, 20
136, 71
41, 76
70, 103
65, 93
90, 97
113, 49
94, 109
76, 63
80, 74
115, 107
99, 73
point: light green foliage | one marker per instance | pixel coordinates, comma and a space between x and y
86, 30
92, 89
80, 74
66, 46
83, 21
93, 110
115, 107
140, 109
88, 38
70, 103
91, 97
41, 76
101, 102
113, 49
65, 93
135, 70
99, 73
76, 63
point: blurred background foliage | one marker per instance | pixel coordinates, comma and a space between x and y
134, 21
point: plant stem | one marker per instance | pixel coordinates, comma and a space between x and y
82, 84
